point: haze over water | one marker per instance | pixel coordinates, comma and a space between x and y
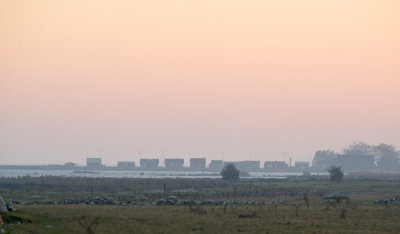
260, 80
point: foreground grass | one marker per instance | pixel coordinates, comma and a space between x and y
352, 217
296, 218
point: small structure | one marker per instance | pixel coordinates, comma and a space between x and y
248, 165
234, 163
126, 164
197, 164
302, 165
275, 165
149, 164
174, 163
70, 164
215, 165
93, 162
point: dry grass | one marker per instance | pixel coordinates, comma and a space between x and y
346, 217
178, 219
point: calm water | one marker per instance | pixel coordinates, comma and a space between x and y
131, 174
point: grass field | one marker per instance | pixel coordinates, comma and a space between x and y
344, 218
358, 215
57, 188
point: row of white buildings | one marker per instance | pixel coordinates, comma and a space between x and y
198, 164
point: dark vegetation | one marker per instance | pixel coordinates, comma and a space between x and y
230, 173
360, 156
335, 174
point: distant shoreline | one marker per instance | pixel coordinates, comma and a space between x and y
116, 168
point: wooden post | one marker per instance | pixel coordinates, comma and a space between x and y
165, 189
234, 193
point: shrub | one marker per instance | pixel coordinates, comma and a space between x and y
230, 172
335, 174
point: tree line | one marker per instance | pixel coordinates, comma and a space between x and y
385, 157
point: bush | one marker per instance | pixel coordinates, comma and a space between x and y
230, 172
335, 174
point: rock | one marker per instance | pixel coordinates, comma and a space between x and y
283, 202
337, 197
141, 197
181, 202
115, 203
244, 216
210, 202
228, 203
16, 202
10, 207
197, 202
219, 202
132, 203
378, 201
394, 201
187, 202
397, 202
327, 202
3, 205
161, 201
172, 197
171, 202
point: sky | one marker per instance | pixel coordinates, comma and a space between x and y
222, 79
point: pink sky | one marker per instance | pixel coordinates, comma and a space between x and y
196, 78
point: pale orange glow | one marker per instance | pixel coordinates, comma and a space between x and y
203, 77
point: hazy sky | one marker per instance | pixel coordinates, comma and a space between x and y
196, 78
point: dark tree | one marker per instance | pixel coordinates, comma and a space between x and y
230, 172
359, 148
335, 174
323, 159
387, 157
